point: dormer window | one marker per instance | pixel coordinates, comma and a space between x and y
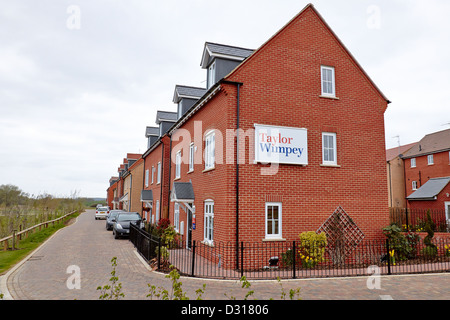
180, 109
211, 74
219, 60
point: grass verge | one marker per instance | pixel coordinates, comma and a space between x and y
25, 246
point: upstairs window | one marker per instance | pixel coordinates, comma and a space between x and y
430, 159
158, 175
153, 174
210, 146
414, 185
328, 81
413, 162
146, 178
178, 165
191, 157
180, 109
211, 74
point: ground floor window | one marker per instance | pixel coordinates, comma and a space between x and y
209, 222
176, 218
273, 220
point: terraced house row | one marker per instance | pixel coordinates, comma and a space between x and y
280, 138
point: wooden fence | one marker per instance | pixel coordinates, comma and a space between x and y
16, 236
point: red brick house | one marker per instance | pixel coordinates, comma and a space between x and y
111, 191
427, 173
282, 137
155, 189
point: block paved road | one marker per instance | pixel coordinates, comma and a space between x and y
88, 245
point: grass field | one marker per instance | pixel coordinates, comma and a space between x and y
25, 246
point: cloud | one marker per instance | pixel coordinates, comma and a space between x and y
74, 102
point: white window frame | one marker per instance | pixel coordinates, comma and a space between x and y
146, 177
210, 145
180, 109
326, 149
176, 217
178, 165
157, 212
413, 162
153, 174
325, 82
211, 74
414, 185
430, 159
272, 234
191, 157
208, 230
158, 175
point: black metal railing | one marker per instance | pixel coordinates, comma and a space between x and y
415, 219
291, 259
148, 245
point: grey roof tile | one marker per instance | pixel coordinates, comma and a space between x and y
183, 191
430, 189
166, 116
431, 143
146, 195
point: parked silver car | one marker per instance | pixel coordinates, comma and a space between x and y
101, 212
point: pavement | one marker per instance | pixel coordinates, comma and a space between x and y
77, 259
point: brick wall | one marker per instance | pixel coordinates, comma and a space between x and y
423, 172
281, 86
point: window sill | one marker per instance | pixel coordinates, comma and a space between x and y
177, 179
190, 171
330, 165
273, 239
210, 169
208, 243
329, 97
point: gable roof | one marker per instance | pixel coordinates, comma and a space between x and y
187, 92
166, 116
430, 189
431, 143
308, 7
182, 192
151, 131
223, 51
395, 152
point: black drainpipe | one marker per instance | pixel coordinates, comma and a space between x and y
238, 85
170, 169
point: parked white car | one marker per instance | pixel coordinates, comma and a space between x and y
101, 213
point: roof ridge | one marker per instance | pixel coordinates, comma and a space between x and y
228, 45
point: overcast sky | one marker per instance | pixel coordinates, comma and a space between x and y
81, 79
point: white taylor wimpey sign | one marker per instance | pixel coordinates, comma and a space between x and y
281, 145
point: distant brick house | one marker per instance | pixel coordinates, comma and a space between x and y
155, 190
111, 191
282, 136
396, 175
427, 173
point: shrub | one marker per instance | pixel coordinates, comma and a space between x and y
430, 250
403, 246
312, 248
